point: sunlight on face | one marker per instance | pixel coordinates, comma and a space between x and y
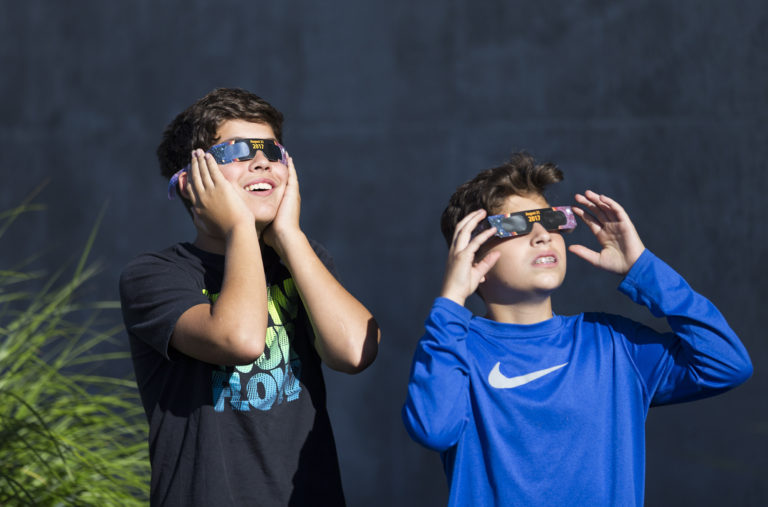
529, 266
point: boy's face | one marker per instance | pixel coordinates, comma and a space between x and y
530, 266
261, 180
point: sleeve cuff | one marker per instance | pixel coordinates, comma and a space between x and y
452, 307
636, 272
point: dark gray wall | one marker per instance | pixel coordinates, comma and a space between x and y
390, 106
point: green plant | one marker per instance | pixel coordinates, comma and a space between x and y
69, 435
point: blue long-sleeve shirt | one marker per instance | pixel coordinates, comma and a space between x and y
554, 413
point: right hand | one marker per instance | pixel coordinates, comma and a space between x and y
462, 273
216, 204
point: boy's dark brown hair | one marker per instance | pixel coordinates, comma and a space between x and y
520, 175
196, 126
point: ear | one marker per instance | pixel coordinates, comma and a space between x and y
183, 187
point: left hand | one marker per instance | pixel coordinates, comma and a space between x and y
621, 245
286, 221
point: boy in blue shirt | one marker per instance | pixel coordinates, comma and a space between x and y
528, 407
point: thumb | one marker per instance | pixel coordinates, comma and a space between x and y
585, 253
486, 263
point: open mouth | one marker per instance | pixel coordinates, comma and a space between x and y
261, 186
546, 259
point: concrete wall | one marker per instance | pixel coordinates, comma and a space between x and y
389, 106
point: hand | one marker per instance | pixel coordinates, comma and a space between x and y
621, 245
217, 208
462, 273
286, 219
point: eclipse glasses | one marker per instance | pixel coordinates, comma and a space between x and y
518, 224
238, 150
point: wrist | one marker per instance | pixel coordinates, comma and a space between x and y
241, 230
454, 296
632, 257
287, 241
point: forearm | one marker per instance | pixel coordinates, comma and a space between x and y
711, 357
347, 335
436, 408
230, 330
240, 311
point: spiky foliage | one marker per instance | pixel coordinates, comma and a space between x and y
69, 434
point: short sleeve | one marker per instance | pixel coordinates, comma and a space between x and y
154, 293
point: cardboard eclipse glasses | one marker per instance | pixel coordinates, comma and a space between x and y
518, 224
238, 150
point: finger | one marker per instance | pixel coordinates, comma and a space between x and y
613, 208
476, 242
585, 253
291, 166
185, 186
591, 201
293, 177
589, 220
194, 174
594, 197
486, 263
477, 215
207, 169
464, 228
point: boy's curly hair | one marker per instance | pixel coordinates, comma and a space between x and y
520, 175
196, 126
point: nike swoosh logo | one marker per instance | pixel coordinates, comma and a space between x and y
499, 381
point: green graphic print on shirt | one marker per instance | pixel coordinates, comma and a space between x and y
273, 378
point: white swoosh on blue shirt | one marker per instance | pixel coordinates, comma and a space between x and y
499, 381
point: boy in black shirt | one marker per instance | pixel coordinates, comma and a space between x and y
228, 332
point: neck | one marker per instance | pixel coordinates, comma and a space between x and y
217, 244
210, 244
520, 312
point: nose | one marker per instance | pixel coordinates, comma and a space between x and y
259, 161
540, 235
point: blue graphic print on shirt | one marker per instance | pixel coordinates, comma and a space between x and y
274, 377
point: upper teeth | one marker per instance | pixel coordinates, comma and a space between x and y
542, 260
259, 186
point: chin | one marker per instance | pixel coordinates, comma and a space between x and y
553, 279
264, 214
262, 224
552, 286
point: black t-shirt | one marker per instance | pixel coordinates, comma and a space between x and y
220, 435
